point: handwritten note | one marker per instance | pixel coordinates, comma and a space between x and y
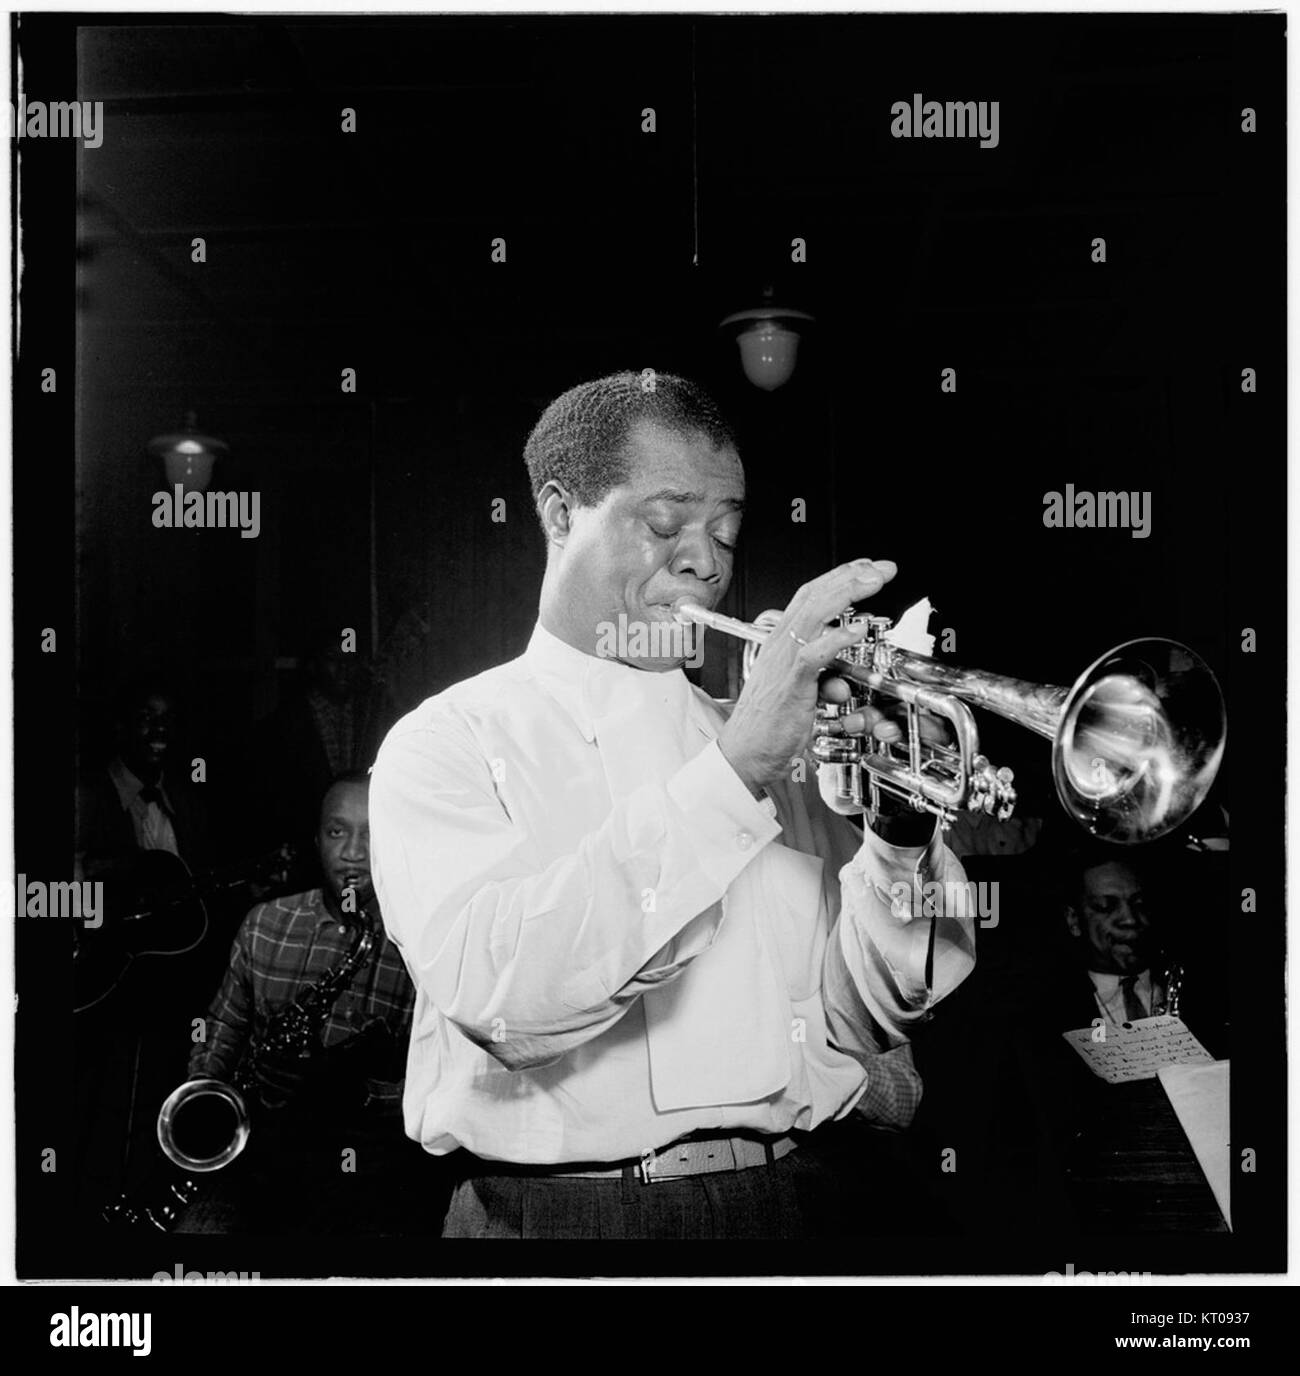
1137, 1050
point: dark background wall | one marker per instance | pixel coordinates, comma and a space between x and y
372, 251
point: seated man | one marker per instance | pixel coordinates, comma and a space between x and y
140, 800
1046, 1148
307, 1110
1117, 919
640, 1014
140, 827
1128, 1163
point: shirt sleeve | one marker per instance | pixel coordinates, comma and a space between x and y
227, 1025
532, 955
893, 1092
905, 938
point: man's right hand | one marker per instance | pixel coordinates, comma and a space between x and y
774, 716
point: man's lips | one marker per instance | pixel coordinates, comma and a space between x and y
670, 609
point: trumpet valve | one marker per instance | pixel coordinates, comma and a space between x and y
840, 753
830, 743
873, 628
847, 779
992, 791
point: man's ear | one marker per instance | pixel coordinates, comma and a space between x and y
1072, 921
555, 510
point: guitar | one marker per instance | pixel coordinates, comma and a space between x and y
156, 909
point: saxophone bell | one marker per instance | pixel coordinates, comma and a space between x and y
203, 1125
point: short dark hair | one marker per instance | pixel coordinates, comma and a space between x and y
348, 776
580, 439
137, 690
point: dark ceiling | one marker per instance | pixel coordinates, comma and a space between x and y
371, 250
321, 242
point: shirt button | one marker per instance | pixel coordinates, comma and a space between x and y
744, 840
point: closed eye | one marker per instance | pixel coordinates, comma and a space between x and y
673, 534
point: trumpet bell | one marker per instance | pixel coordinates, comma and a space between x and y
1141, 736
203, 1125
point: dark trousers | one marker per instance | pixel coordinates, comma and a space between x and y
844, 1180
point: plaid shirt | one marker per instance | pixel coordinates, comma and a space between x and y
282, 947
893, 1092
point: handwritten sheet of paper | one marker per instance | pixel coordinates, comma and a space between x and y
1138, 1050
1199, 1095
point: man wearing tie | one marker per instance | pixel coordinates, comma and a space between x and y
1113, 916
1108, 915
658, 977
130, 806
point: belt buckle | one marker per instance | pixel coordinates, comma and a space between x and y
645, 1167
648, 1174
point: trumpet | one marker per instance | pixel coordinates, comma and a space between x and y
1137, 739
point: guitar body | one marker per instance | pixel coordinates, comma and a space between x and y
152, 910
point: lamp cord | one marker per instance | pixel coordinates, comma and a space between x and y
695, 158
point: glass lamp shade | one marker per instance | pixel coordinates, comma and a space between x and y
768, 338
768, 353
188, 456
191, 468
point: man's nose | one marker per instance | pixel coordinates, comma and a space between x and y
355, 848
697, 555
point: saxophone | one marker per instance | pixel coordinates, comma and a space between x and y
204, 1124
1173, 985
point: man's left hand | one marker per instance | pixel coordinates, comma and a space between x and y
885, 720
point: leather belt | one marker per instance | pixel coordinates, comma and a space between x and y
690, 1156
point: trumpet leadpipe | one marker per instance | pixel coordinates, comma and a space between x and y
689, 612
758, 634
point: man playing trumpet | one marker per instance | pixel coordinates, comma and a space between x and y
656, 974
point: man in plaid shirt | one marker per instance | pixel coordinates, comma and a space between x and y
282, 948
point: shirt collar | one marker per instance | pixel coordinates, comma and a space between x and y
578, 681
324, 918
1107, 984
128, 786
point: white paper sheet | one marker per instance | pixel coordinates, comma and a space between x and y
911, 630
1199, 1094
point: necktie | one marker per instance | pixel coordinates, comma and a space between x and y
1132, 1004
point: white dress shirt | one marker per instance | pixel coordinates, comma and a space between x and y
1109, 994
152, 826
609, 944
